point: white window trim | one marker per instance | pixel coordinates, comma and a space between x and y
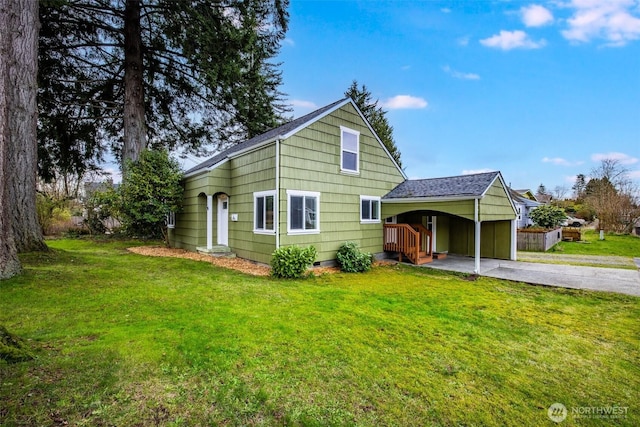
304, 194
357, 152
171, 220
256, 195
371, 199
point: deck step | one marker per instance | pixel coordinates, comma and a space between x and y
217, 251
424, 260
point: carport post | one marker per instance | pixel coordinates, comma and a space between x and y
514, 240
476, 269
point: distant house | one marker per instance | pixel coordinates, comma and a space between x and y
326, 178
524, 205
527, 193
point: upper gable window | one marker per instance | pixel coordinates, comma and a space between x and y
349, 150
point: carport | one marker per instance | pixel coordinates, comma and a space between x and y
470, 215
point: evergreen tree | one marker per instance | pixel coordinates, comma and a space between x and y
157, 73
579, 186
541, 193
20, 49
376, 116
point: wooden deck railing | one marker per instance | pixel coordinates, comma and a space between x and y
414, 241
426, 239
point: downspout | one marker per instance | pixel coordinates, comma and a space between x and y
477, 237
276, 200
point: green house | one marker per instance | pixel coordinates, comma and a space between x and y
326, 178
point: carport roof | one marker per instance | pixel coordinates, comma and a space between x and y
462, 186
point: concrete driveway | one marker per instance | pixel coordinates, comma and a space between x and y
566, 276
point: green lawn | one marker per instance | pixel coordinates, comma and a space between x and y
613, 244
125, 340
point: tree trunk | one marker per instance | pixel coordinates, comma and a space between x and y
22, 62
135, 135
9, 263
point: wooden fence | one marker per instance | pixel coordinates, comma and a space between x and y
538, 240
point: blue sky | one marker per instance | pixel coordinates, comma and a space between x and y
538, 90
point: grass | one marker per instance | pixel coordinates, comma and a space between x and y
122, 339
613, 244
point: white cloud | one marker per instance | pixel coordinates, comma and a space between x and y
475, 171
624, 159
536, 15
299, 103
445, 10
559, 161
460, 75
508, 40
616, 21
289, 41
405, 102
634, 174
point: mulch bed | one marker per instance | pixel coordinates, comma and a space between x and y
239, 264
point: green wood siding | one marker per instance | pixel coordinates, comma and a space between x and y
251, 172
442, 233
495, 205
461, 236
495, 239
191, 224
310, 161
461, 208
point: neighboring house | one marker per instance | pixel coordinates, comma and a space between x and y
527, 194
524, 205
326, 178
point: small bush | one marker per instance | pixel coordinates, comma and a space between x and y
352, 260
291, 262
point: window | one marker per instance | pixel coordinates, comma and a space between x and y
349, 149
369, 209
303, 212
171, 220
264, 212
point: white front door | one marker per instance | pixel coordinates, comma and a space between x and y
223, 220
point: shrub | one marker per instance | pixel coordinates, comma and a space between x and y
151, 190
102, 208
352, 260
547, 216
291, 262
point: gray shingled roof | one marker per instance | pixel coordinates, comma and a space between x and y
454, 186
268, 135
518, 197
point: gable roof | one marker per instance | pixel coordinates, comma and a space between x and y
457, 187
518, 197
527, 194
280, 132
